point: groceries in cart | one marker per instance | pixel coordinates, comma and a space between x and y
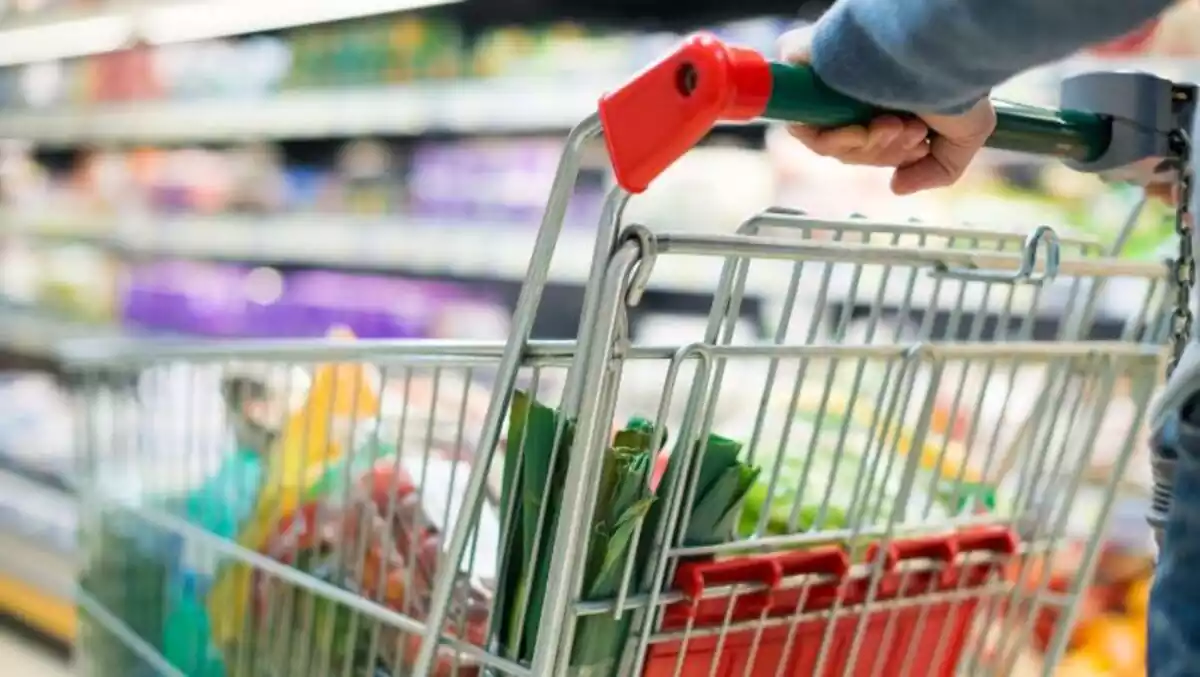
355, 478
349, 476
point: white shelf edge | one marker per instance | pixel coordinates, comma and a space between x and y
499, 106
65, 34
38, 513
37, 333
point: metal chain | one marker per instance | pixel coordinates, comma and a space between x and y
1185, 263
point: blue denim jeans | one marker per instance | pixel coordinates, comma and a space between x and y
1173, 643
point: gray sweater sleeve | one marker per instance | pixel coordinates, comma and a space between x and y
943, 55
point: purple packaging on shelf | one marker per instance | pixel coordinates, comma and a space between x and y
189, 297
217, 300
150, 301
361, 302
375, 306
432, 180
236, 301
265, 313
585, 208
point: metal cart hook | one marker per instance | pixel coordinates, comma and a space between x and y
1025, 274
648, 246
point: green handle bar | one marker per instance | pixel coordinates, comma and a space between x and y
798, 95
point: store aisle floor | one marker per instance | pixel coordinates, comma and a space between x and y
22, 658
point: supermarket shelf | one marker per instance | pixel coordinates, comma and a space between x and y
50, 615
436, 247
41, 474
38, 513
65, 34
26, 633
34, 332
454, 106
38, 564
450, 248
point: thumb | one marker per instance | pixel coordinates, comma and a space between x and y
796, 46
946, 162
957, 139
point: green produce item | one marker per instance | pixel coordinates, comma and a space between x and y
830, 467
302, 629
622, 503
529, 478
310, 627
723, 483
968, 497
128, 577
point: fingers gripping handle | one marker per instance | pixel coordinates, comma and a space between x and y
670, 106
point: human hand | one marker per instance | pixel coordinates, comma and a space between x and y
927, 150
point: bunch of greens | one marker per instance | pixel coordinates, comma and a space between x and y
626, 518
623, 502
534, 490
722, 483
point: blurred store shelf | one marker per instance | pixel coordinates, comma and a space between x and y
451, 249
38, 567
455, 106
441, 247
36, 332
34, 511
70, 33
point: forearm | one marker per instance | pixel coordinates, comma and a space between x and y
943, 55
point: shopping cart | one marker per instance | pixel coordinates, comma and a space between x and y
852, 496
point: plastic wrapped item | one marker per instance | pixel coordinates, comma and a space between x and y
383, 543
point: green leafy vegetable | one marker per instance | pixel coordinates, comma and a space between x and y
532, 431
721, 486
622, 504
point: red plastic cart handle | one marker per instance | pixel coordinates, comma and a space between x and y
669, 107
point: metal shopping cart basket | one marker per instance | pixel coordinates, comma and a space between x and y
875, 488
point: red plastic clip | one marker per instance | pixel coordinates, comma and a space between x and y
823, 561
939, 549
693, 577
670, 106
832, 562
998, 540
769, 571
